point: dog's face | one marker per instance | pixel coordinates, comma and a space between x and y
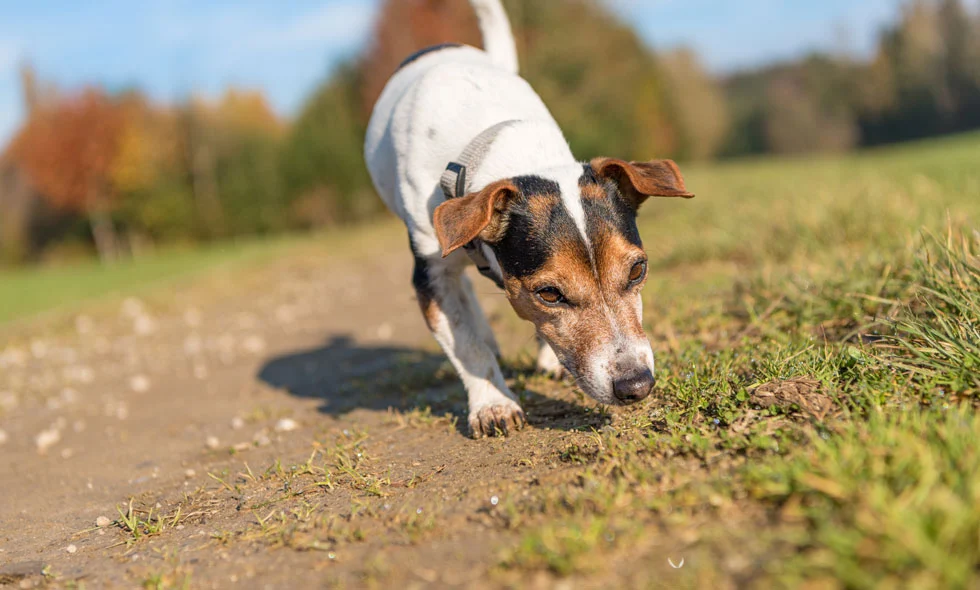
573, 263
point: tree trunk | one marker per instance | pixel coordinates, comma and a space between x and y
203, 183
17, 204
103, 231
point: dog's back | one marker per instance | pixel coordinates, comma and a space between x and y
434, 105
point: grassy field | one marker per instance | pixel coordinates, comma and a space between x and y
816, 323
63, 289
818, 326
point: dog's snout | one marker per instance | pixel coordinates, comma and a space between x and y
633, 388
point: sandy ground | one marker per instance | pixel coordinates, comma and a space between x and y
202, 402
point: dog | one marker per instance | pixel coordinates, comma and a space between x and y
464, 151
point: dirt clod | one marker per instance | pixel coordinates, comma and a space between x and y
801, 394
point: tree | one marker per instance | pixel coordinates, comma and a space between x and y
697, 103
405, 26
67, 150
323, 162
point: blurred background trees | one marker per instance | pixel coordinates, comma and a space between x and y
118, 173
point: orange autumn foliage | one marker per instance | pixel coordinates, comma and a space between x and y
68, 149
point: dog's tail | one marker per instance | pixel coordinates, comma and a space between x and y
498, 40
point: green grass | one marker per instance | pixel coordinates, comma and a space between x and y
29, 291
857, 276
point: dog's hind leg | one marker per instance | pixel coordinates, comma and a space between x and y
548, 362
442, 296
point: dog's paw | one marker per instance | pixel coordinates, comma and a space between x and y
494, 419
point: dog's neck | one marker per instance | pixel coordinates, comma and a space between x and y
522, 148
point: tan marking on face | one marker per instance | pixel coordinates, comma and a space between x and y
604, 312
540, 206
592, 190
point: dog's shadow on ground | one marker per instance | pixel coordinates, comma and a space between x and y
346, 376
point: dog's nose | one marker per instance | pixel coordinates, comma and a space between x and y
633, 388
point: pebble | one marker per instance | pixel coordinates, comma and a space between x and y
3, 436
189, 473
494, 500
84, 324
71, 549
286, 425
262, 439
102, 521
46, 439
8, 401
237, 423
139, 383
212, 442
144, 325
254, 344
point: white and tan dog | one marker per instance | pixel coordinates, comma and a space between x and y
466, 154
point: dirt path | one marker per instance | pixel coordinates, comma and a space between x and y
248, 415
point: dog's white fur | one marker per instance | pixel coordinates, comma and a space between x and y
427, 114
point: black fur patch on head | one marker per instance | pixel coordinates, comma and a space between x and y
610, 212
537, 225
426, 51
531, 185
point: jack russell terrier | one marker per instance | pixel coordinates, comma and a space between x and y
464, 151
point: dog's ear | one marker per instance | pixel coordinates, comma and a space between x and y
639, 180
459, 221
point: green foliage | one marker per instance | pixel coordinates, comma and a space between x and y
323, 156
601, 83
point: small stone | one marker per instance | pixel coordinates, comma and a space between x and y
8, 401
237, 423
189, 473
102, 521
3, 436
71, 549
286, 425
212, 442
144, 325
254, 344
261, 439
139, 383
494, 500
46, 439
84, 324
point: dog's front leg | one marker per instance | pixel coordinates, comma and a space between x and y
443, 298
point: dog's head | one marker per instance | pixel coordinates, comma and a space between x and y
573, 263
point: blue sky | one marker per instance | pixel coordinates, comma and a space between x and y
172, 47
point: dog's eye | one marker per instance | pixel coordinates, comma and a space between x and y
638, 271
550, 295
